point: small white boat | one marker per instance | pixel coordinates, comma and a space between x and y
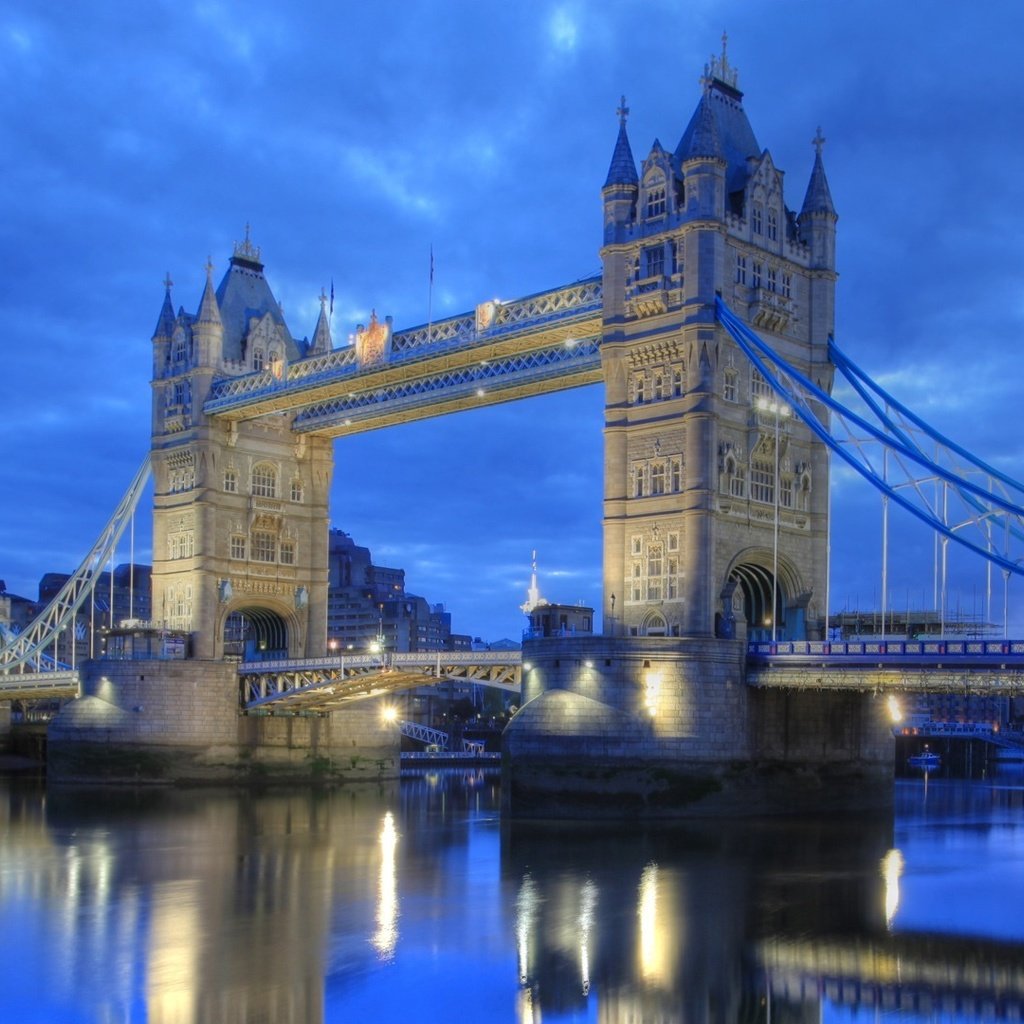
928, 760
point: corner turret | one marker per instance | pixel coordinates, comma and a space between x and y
164, 331
322, 342
818, 215
622, 184
208, 330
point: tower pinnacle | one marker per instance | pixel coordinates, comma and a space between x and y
533, 597
719, 69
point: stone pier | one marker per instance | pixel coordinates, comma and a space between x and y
180, 721
663, 727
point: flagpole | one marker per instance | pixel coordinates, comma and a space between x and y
430, 295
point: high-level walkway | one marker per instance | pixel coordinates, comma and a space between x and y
503, 351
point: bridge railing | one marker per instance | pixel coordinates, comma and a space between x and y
886, 648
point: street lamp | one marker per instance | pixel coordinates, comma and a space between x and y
779, 410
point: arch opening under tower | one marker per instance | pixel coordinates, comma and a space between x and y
255, 634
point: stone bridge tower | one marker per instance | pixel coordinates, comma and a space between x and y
716, 508
240, 509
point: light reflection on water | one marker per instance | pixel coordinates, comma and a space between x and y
413, 901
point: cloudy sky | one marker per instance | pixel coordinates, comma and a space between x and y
137, 139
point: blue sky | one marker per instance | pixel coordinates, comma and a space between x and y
140, 139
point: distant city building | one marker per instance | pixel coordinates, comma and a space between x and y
368, 604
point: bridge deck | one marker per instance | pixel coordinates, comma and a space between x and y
322, 685
923, 666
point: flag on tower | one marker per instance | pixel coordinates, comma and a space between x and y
331, 312
431, 262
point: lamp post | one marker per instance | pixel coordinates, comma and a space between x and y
778, 410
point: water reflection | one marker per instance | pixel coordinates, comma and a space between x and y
414, 900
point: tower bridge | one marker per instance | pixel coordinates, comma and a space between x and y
711, 329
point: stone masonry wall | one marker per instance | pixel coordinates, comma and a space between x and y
176, 721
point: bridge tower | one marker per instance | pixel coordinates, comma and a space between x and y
715, 518
240, 509
715, 506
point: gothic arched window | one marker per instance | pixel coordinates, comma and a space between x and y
264, 481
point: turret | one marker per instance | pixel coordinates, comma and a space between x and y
208, 330
818, 216
622, 184
163, 332
703, 163
322, 342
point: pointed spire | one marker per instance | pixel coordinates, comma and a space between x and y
533, 597
818, 198
209, 311
322, 340
165, 322
705, 140
622, 170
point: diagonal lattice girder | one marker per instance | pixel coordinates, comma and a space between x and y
911, 464
28, 647
571, 361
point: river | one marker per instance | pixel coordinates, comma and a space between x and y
413, 901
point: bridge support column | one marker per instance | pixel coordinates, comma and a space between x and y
5, 725
664, 727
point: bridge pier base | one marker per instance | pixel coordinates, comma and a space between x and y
180, 721
661, 727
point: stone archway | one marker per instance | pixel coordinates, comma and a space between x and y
253, 633
764, 604
654, 624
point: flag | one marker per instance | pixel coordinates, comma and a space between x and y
431, 263
331, 313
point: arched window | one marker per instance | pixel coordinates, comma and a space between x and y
729, 388
756, 218
656, 196
257, 359
773, 225
264, 481
296, 490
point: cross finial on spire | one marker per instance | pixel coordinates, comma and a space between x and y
168, 283
209, 267
623, 111
818, 141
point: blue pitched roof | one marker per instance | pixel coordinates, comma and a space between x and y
736, 138
242, 294
623, 167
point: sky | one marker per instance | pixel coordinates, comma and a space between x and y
140, 139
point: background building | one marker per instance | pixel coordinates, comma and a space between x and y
368, 604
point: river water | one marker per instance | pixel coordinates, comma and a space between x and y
413, 901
